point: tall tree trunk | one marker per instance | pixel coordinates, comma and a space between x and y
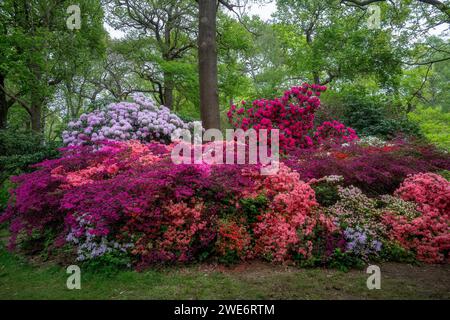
3, 104
35, 109
207, 58
36, 112
36, 99
168, 90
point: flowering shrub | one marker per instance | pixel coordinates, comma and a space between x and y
287, 229
293, 115
335, 132
401, 207
358, 216
125, 197
233, 241
128, 203
372, 141
375, 170
361, 242
138, 120
187, 230
429, 190
427, 234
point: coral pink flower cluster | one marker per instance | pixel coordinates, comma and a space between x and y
429, 234
283, 230
183, 224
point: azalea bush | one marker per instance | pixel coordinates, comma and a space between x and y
288, 229
128, 204
140, 120
376, 170
426, 233
357, 215
120, 198
233, 241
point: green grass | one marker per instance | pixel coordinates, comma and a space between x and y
21, 280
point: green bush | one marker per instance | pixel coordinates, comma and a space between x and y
109, 264
19, 150
368, 114
345, 261
326, 193
394, 252
434, 124
445, 174
4, 194
253, 207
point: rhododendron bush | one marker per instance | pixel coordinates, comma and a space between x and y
293, 115
142, 120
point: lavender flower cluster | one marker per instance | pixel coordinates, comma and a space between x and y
139, 120
361, 242
90, 246
359, 217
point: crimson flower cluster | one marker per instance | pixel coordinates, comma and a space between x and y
293, 115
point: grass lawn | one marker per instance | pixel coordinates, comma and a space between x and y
21, 280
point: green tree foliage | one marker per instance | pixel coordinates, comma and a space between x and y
370, 114
51, 74
160, 34
39, 51
326, 41
434, 123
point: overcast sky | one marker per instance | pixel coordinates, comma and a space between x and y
265, 12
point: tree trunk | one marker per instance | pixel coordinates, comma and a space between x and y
3, 104
36, 99
36, 111
207, 58
168, 91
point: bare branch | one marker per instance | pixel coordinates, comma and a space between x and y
435, 3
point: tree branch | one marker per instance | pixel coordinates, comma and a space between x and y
16, 99
435, 3
409, 105
426, 63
